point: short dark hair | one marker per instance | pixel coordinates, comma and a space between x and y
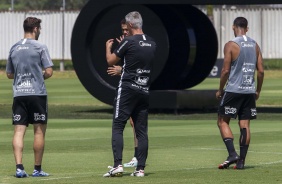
30, 23
123, 21
241, 22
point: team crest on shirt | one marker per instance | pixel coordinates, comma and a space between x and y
253, 112
230, 110
16, 117
38, 117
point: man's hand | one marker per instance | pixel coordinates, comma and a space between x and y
114, 70
120, 38
257, 95
109, 44
219, 94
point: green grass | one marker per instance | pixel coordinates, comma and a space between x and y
184, 148
180, 151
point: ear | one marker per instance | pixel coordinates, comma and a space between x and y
233, 27
247, 29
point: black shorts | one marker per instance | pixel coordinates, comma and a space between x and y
30, 109
241, 105
129, 102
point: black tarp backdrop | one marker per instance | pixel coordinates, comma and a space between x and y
186, 40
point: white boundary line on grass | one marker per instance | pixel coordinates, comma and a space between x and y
57, 178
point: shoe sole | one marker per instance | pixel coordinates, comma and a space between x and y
119, 174
225, 166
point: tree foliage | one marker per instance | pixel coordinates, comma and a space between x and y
25, 5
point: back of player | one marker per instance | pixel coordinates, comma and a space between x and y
140, 51
241, 78
29, 57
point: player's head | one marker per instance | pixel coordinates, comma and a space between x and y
134, 20
32, 25
240, 24
124, 28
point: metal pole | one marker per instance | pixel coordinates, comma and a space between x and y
62, 67
12, 5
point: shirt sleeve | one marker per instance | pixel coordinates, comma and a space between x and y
122, 48
45, 57
9, 65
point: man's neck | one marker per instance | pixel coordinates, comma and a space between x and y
137, 31
29, 35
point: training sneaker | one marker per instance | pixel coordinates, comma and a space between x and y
114, 172
240, 164
139, 173
21, 173
132, 163
230, 160
39, 173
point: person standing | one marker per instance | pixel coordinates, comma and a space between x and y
242, 57
132, 98
116, 70
26, 60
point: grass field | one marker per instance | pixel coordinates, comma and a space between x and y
184, 148
180, 151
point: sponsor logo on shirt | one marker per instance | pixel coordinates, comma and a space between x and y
142, 71
19, 47
248, 64
247, 70
247, 79
38, 117
144, 44
230, 110
145, 89
16, 117
142, 80
243, 44
25, 84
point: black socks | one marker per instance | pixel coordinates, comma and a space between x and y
230, 146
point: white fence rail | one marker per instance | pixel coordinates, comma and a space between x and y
51, 34
264, 26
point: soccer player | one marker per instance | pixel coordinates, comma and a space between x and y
26, 60
132, 98
117, 70
242, 57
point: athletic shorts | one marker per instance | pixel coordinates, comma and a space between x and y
241, 105
29, 110
130, 103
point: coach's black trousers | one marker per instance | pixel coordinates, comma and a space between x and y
134, 104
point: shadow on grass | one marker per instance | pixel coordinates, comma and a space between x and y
106, 112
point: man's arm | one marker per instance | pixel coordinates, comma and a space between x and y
112, 58
225, 68
48, 72
260, 72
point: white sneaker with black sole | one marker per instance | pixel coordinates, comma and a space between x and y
139, 173
114, 171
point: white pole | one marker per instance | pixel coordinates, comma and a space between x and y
62, 67
12, 5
